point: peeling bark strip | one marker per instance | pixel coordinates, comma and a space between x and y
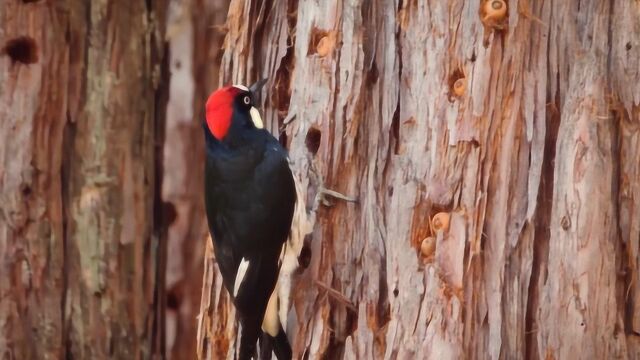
78, 249
536, 156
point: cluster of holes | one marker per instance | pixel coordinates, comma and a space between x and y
21, 50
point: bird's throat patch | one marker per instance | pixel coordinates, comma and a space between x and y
256, 118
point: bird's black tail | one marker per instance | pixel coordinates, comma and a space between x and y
279, 344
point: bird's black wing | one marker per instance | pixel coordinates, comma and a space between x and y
250, 204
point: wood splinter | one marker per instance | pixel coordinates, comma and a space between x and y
336, 295
322, 192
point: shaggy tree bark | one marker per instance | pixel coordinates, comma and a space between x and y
79, 256
534, 154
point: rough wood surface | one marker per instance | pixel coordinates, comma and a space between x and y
537, 160
79, 253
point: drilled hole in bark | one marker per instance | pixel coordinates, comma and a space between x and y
173, 300
26, 190
316, 36
457, 84
304, 258
322, 42
395, 292
22, 50
373, 74
395, 131
283, 139
313, 140
473, 56
169, 213
281, 92
628, 46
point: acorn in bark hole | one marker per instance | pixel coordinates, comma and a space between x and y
460, 86
494, 10
428, 246
440, 221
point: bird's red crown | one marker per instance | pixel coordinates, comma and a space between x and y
219, 110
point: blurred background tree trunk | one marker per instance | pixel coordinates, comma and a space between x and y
524, 130
194, 34
81, 113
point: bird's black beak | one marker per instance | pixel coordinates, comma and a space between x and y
255, 90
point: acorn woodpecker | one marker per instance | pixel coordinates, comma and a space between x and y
250, 197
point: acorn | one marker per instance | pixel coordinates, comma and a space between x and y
440, 221
326, 45
460, 86
494, 11
428, 246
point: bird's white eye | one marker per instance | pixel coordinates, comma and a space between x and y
246, 100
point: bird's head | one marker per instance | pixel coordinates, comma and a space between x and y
234, 108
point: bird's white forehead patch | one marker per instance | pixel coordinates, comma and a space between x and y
241, 87
256, 118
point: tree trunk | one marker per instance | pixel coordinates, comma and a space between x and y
525, 131
79, 253
195, 40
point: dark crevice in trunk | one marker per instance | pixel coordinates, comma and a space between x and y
160, 228
542, 223
256, 35
280, 97
68, 143
395, 124
625, 263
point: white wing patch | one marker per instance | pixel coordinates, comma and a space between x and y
256, 118
271, 322
241, 87
242, 271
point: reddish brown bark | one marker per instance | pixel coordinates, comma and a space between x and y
536, 160
78, 253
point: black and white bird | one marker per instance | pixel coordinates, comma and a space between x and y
250, 198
